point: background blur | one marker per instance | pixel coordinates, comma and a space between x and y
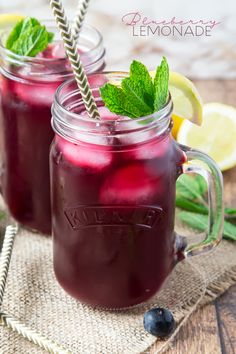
198, 57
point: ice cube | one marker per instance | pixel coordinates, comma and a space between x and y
36, 94
56, 51
130, 184
97, 80
3, 85
133, 138
151, 150
86, 156
107, 115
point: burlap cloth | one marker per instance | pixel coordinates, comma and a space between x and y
33, 296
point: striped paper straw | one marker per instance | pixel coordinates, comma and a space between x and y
5, 257
79, 17
32, 336
74, 58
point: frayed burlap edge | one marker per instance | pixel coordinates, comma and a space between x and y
209, 293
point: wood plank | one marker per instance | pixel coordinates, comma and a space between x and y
212, 329
223, 91
199, 335
226, 316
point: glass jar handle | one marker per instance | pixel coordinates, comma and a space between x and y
214, 179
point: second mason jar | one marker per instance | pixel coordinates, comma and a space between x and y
27, 87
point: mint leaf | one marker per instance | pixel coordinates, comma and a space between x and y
194, 220
230, 212
133, 92
137, 95
200, 222
229, 231
116, 101
28, 38
161, 82
31, 42
141, 84
14, 34
202, 185
50, 37
190, 187
29, 23
190, 205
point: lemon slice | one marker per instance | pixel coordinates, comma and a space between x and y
8, 20
186, 98
187, 101
216, 136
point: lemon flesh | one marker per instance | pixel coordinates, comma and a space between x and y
186, 100
9, 20
217, 135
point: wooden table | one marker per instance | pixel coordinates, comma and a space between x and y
212, 329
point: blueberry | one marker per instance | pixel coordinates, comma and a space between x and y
159, 322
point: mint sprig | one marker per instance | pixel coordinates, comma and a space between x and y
138, 95
190, 199
28, 38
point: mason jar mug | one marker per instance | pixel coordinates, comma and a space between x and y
113, 199
27, 88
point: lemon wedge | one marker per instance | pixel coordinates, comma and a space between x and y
9, 20
186, 99
217, 135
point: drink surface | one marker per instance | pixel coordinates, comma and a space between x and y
113, 217
26, 95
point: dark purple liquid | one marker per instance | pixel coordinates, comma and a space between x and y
113, 219
26, 135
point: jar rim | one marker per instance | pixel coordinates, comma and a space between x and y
35, 60
168, 106
71, 125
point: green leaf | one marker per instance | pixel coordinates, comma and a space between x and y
2, 215
229, 231
138, 93
230, 212
14, 34
200, 222
28, 38
31, 42
194, 220
29, 23
190, 205
142, 83
116, 101
190, 187
161, 83
50, 37
202, 185
133, 92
